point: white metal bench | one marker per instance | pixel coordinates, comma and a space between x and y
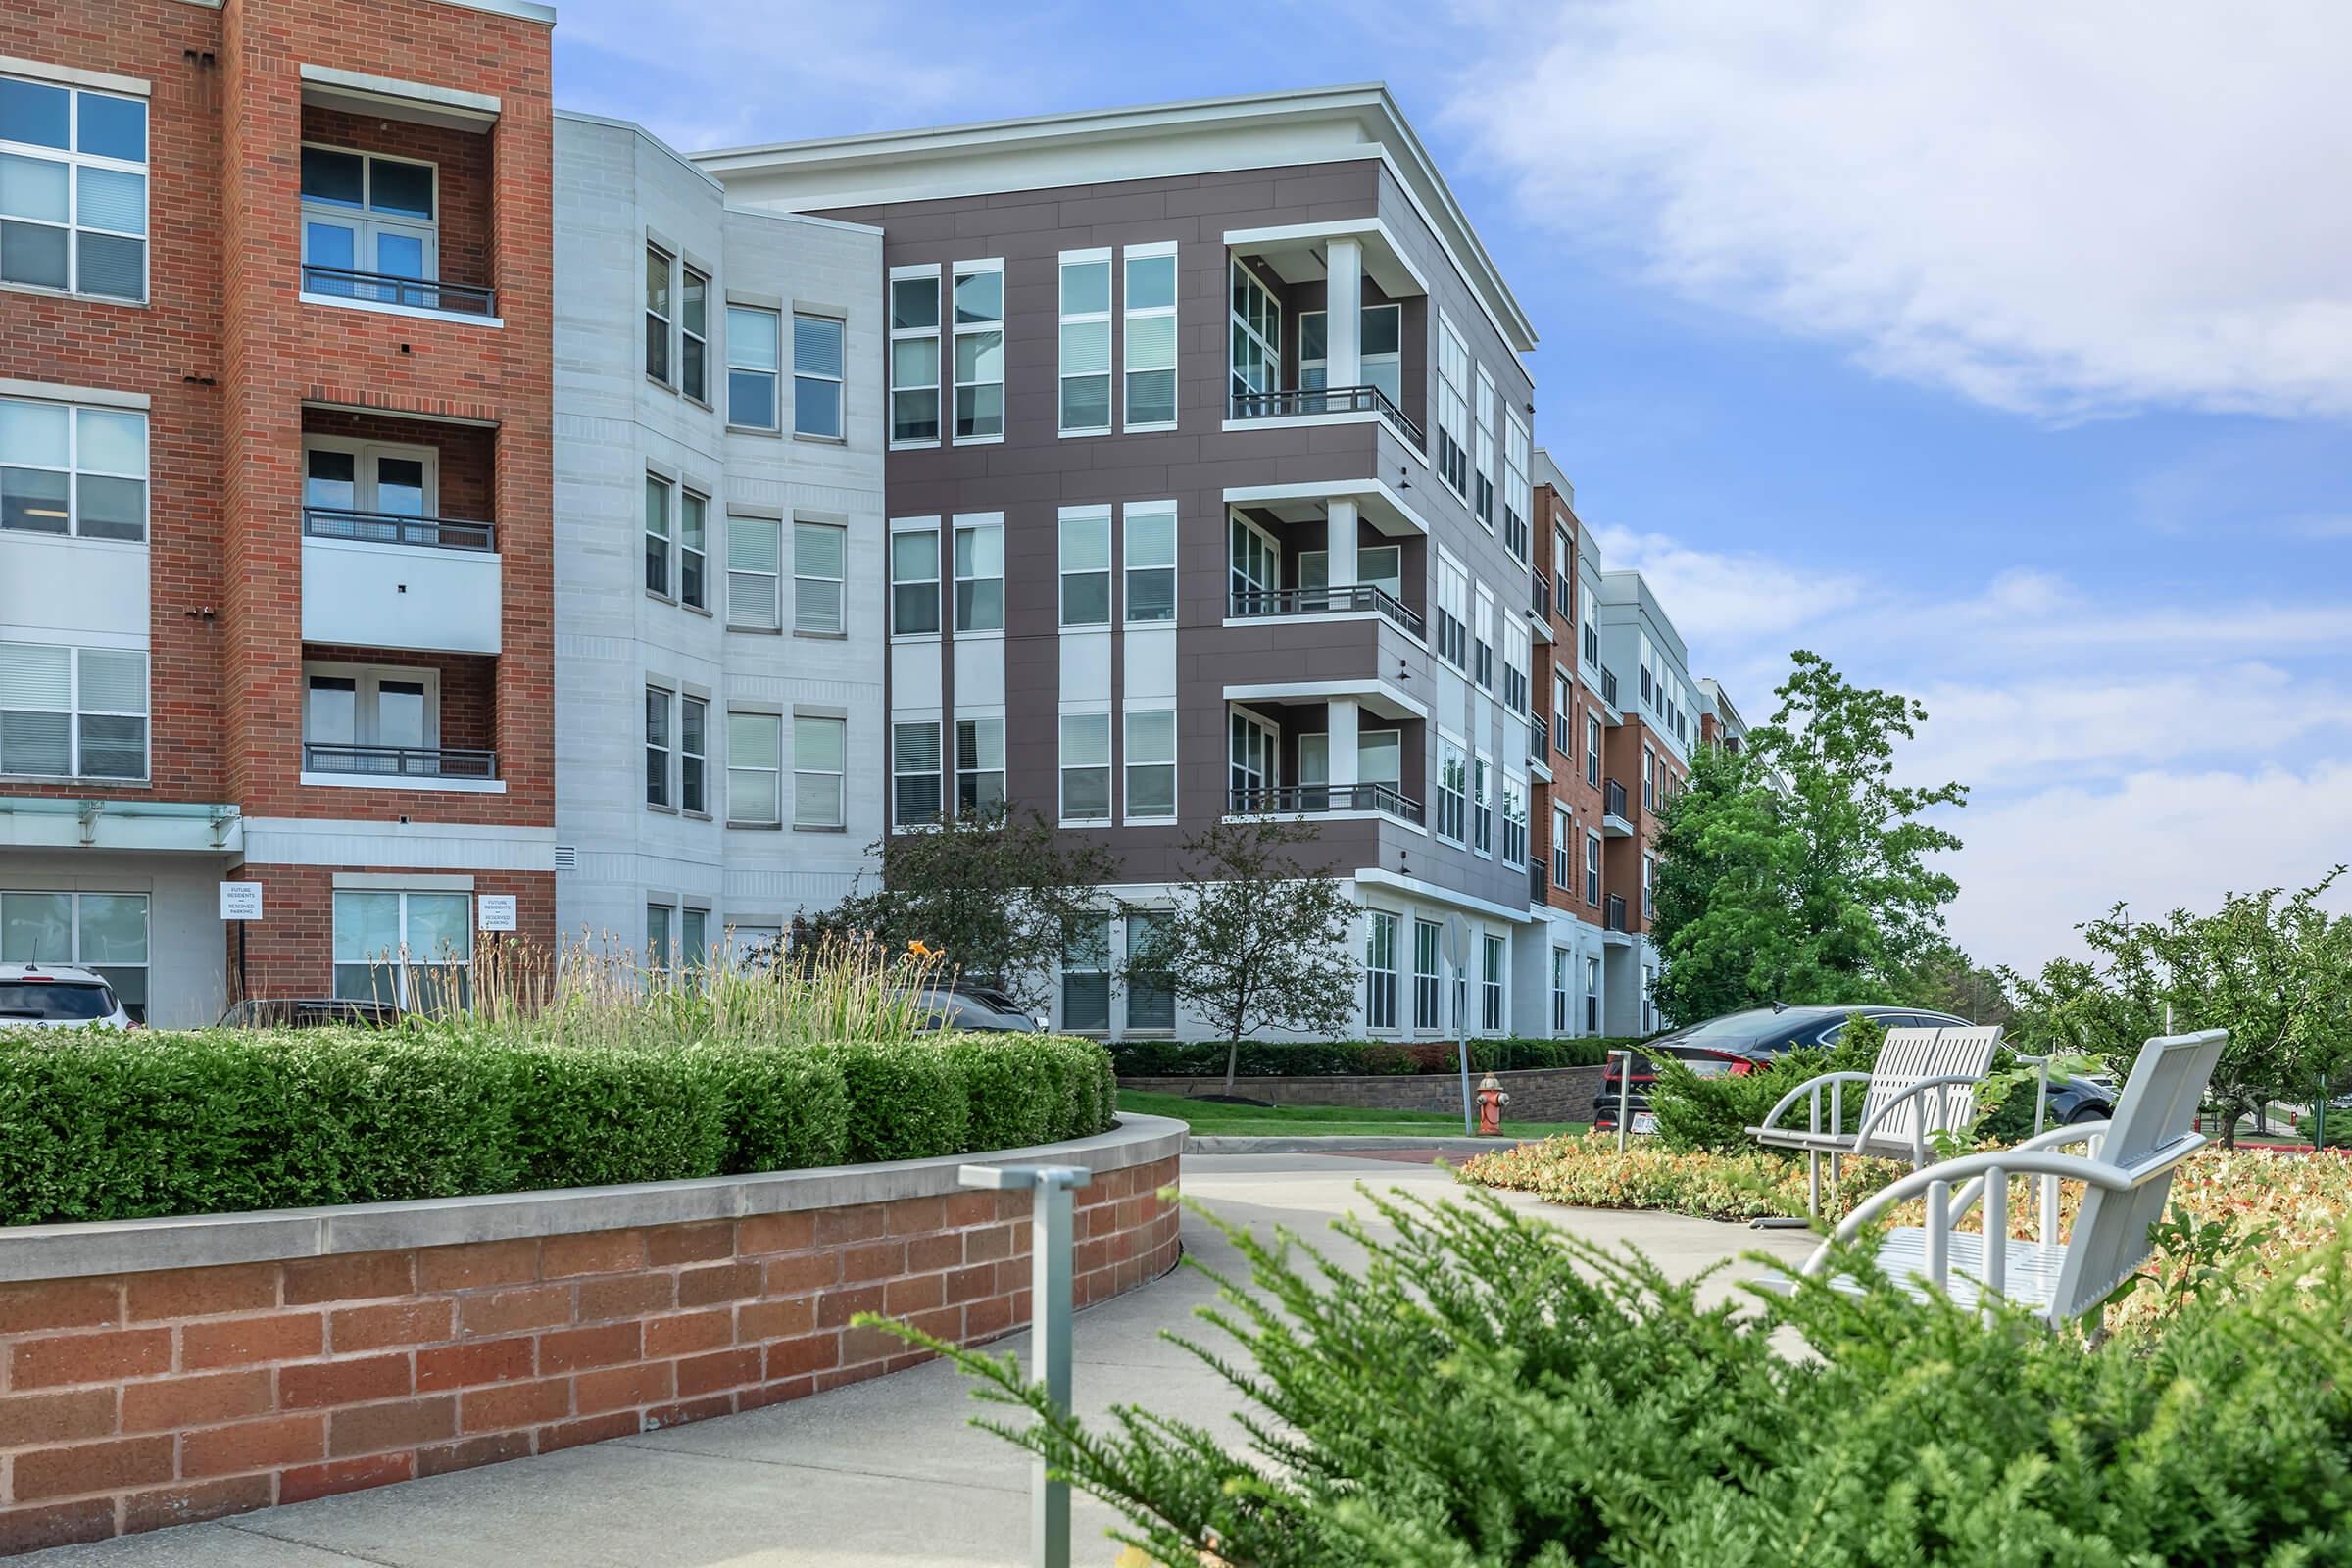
2128, 1172
1924, 1082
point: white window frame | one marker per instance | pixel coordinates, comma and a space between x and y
1483, 803
1314, 374
662, 541
1380, 1018
367, 227
1650, 885
902, 774
1065, 767
694, 760
694, 515
1518, 495
73, 472
1453, 409
1563, 864
774, 373
904, 336
1482, 645
1238, 580
74, 712
696, 386
1516, 832
831, 386
926, 528
981, 730
1494, 957
73, 957
1096, 947
661, 321
401, 962
75, 161
1240, 276
982, 527
772, 765
1428, 983
368, 699
1483, 478
1561, 992
1129, 370
755, 579
1083, 520
1592, 749
1135, 563
1452, 611
1084, 321
1593, 886
837, 587
812, 785
661, 751
953, 416
1452, 819
1241, 777
1132, 760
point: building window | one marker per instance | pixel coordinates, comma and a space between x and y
1151, 765
1380, 756
1560, 999
660, 312
1483, 486
359, 718
914, 774
367, 217
1249, 760
819, 562
979, 764
754, 566
980, 577
1254, 562
980, 351
657, 746
1256, 336
1650, 885
819, 760
68, 713
1518, 498
755, 769
819, 358
694, 566
1650, 1015
1379, 346
657, 536
1151, 336
1086, 768
1490, 983
915, 582
1085, 342
1518, 653
1593, 869
753, 336
1481, 667
410, 949
1649, 788
1591, 995
72, 471
1593, 750
103, 932
1482, 807
1454, 608
1453, 409
1380, 969
1150, 553
914, 359
694, 938
1150, 999
694, 755
1563, 862
1086, 974
1453, 790
1086, 567
693, 336
1589, 618
1563, 734
657, 954
74, 190
1514, 820
1425, 975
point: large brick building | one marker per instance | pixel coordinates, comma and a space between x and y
276, 583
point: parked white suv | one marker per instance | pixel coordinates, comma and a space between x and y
49, 995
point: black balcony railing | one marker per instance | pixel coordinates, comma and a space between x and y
1297, 402
1539, 734
1538, 884
1327, 600
1616, 912
383, 288
1311, 799
399, 762
392, 529
1608, 687
1541, 603
1612, 798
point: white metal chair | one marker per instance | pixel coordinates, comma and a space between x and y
2128, 1170
1925, 1081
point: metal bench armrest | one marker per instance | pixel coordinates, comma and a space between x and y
1813, 1087
2009, 1162
1950, 1080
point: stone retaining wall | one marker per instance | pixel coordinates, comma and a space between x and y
159, 1372
1538, 1094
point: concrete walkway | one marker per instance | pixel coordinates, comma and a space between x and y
887, 1472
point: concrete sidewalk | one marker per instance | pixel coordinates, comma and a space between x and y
887, 1472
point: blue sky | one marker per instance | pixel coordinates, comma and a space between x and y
2000, 352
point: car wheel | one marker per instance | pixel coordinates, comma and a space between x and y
2084, 1114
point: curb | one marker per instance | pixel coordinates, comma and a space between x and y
1234, 1145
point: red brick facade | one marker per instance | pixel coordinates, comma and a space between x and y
133, 1401
1569, 784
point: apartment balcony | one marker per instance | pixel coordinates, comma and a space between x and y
384, 580
1358, 598
1324, 799
1327, 326
400, 764
1613, 923
323, 284
1613, 821
1538, 886
1305, 404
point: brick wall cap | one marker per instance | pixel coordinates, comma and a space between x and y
203, 1241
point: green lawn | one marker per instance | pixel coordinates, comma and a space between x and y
1211, 1119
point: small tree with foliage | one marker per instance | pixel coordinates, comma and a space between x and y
1947, 980
991, 889
1258, 938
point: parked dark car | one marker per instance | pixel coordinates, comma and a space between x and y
1744, 1043
981, 1008
308, 1013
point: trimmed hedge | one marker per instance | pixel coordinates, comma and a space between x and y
96, 1125
1341, 1058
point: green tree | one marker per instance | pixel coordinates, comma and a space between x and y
2272, 968
1258, 939
992, 889
1948, 980
1798, 871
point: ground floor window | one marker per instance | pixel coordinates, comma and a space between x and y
1591, 995
1150, 1004
106, 932
1425, 975
1490, 983
1380, 970
1086, 975
411, 949
1649, 1011
1560, 1013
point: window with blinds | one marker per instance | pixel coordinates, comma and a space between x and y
979, 576
819, 552
1085, 342
818, 358
1150, 557
72, 471
914, 762
755, 555
979, 764
1152, 765
1086, 768
1150, 337
73, 712
752, 360
73, 189
1086, 567
914, 356
755, 769
819, 757
915, 582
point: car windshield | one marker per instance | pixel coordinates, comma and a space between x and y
54, 1000
1741, 1026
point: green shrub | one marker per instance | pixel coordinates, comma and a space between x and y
1715, 1112
595, 1115
1334, 1059
906, 1102
787, 1108
995, 1071
1485, 1392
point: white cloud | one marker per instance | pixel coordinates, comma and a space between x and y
2064, 209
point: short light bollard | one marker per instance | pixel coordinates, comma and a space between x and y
1625, 1098
1052, 1244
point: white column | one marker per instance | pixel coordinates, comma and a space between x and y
1343, 714
1343, 325
1338, 567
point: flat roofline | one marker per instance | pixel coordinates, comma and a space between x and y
1396, 135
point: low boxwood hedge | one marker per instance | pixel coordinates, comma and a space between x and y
1338, 1058
96, 1125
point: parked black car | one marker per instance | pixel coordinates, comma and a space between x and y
982, 1008
1747, 1042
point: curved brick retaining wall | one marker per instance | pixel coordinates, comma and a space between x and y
1538, 1094
159, 1372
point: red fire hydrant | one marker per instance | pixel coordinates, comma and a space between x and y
1489, 1100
